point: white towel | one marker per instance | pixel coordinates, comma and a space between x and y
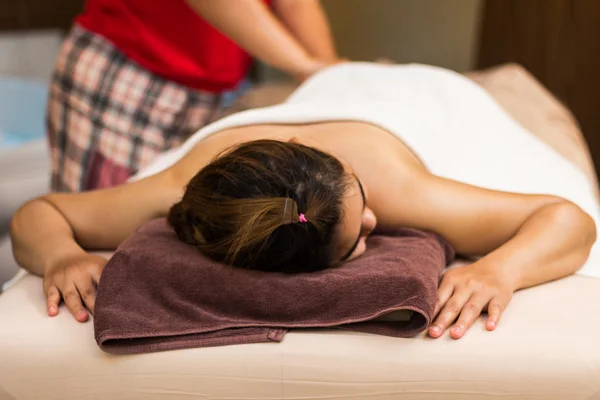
454, 126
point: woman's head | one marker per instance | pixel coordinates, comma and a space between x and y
245, 207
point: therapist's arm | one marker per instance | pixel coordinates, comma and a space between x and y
252, 25
307, 21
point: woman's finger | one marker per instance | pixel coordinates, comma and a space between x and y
444, 292
495, 310
470, 312
95, 275
87, 292
449, 312
52, 300
73, 301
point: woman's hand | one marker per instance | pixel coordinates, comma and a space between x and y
465, 292
73, 279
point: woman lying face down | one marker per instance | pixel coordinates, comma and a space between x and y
275, 206
286, 205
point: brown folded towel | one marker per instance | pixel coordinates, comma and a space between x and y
157, 293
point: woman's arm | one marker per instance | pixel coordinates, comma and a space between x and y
307, 21
535, 238
44, 229
253, 27
525, 240
50, 235
515, 230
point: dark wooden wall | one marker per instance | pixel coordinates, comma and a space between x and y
17, 15
559, 42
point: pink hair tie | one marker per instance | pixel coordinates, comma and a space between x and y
302, 218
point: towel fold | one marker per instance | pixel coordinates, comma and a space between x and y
158, 293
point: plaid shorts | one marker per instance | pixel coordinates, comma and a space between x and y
108, 117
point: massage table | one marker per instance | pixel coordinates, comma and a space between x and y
544, 348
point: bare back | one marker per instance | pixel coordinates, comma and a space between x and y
368, 149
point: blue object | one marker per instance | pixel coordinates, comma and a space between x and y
229, 97
22, 111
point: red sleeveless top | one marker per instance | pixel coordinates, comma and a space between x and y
169, 39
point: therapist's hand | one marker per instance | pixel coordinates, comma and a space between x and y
74, 279
466, 292
312, 66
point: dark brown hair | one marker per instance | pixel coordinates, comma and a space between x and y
243, 207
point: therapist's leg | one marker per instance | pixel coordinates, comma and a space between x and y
108, 117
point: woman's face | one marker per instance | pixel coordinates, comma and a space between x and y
358, 221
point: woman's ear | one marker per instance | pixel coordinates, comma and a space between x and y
294, 139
